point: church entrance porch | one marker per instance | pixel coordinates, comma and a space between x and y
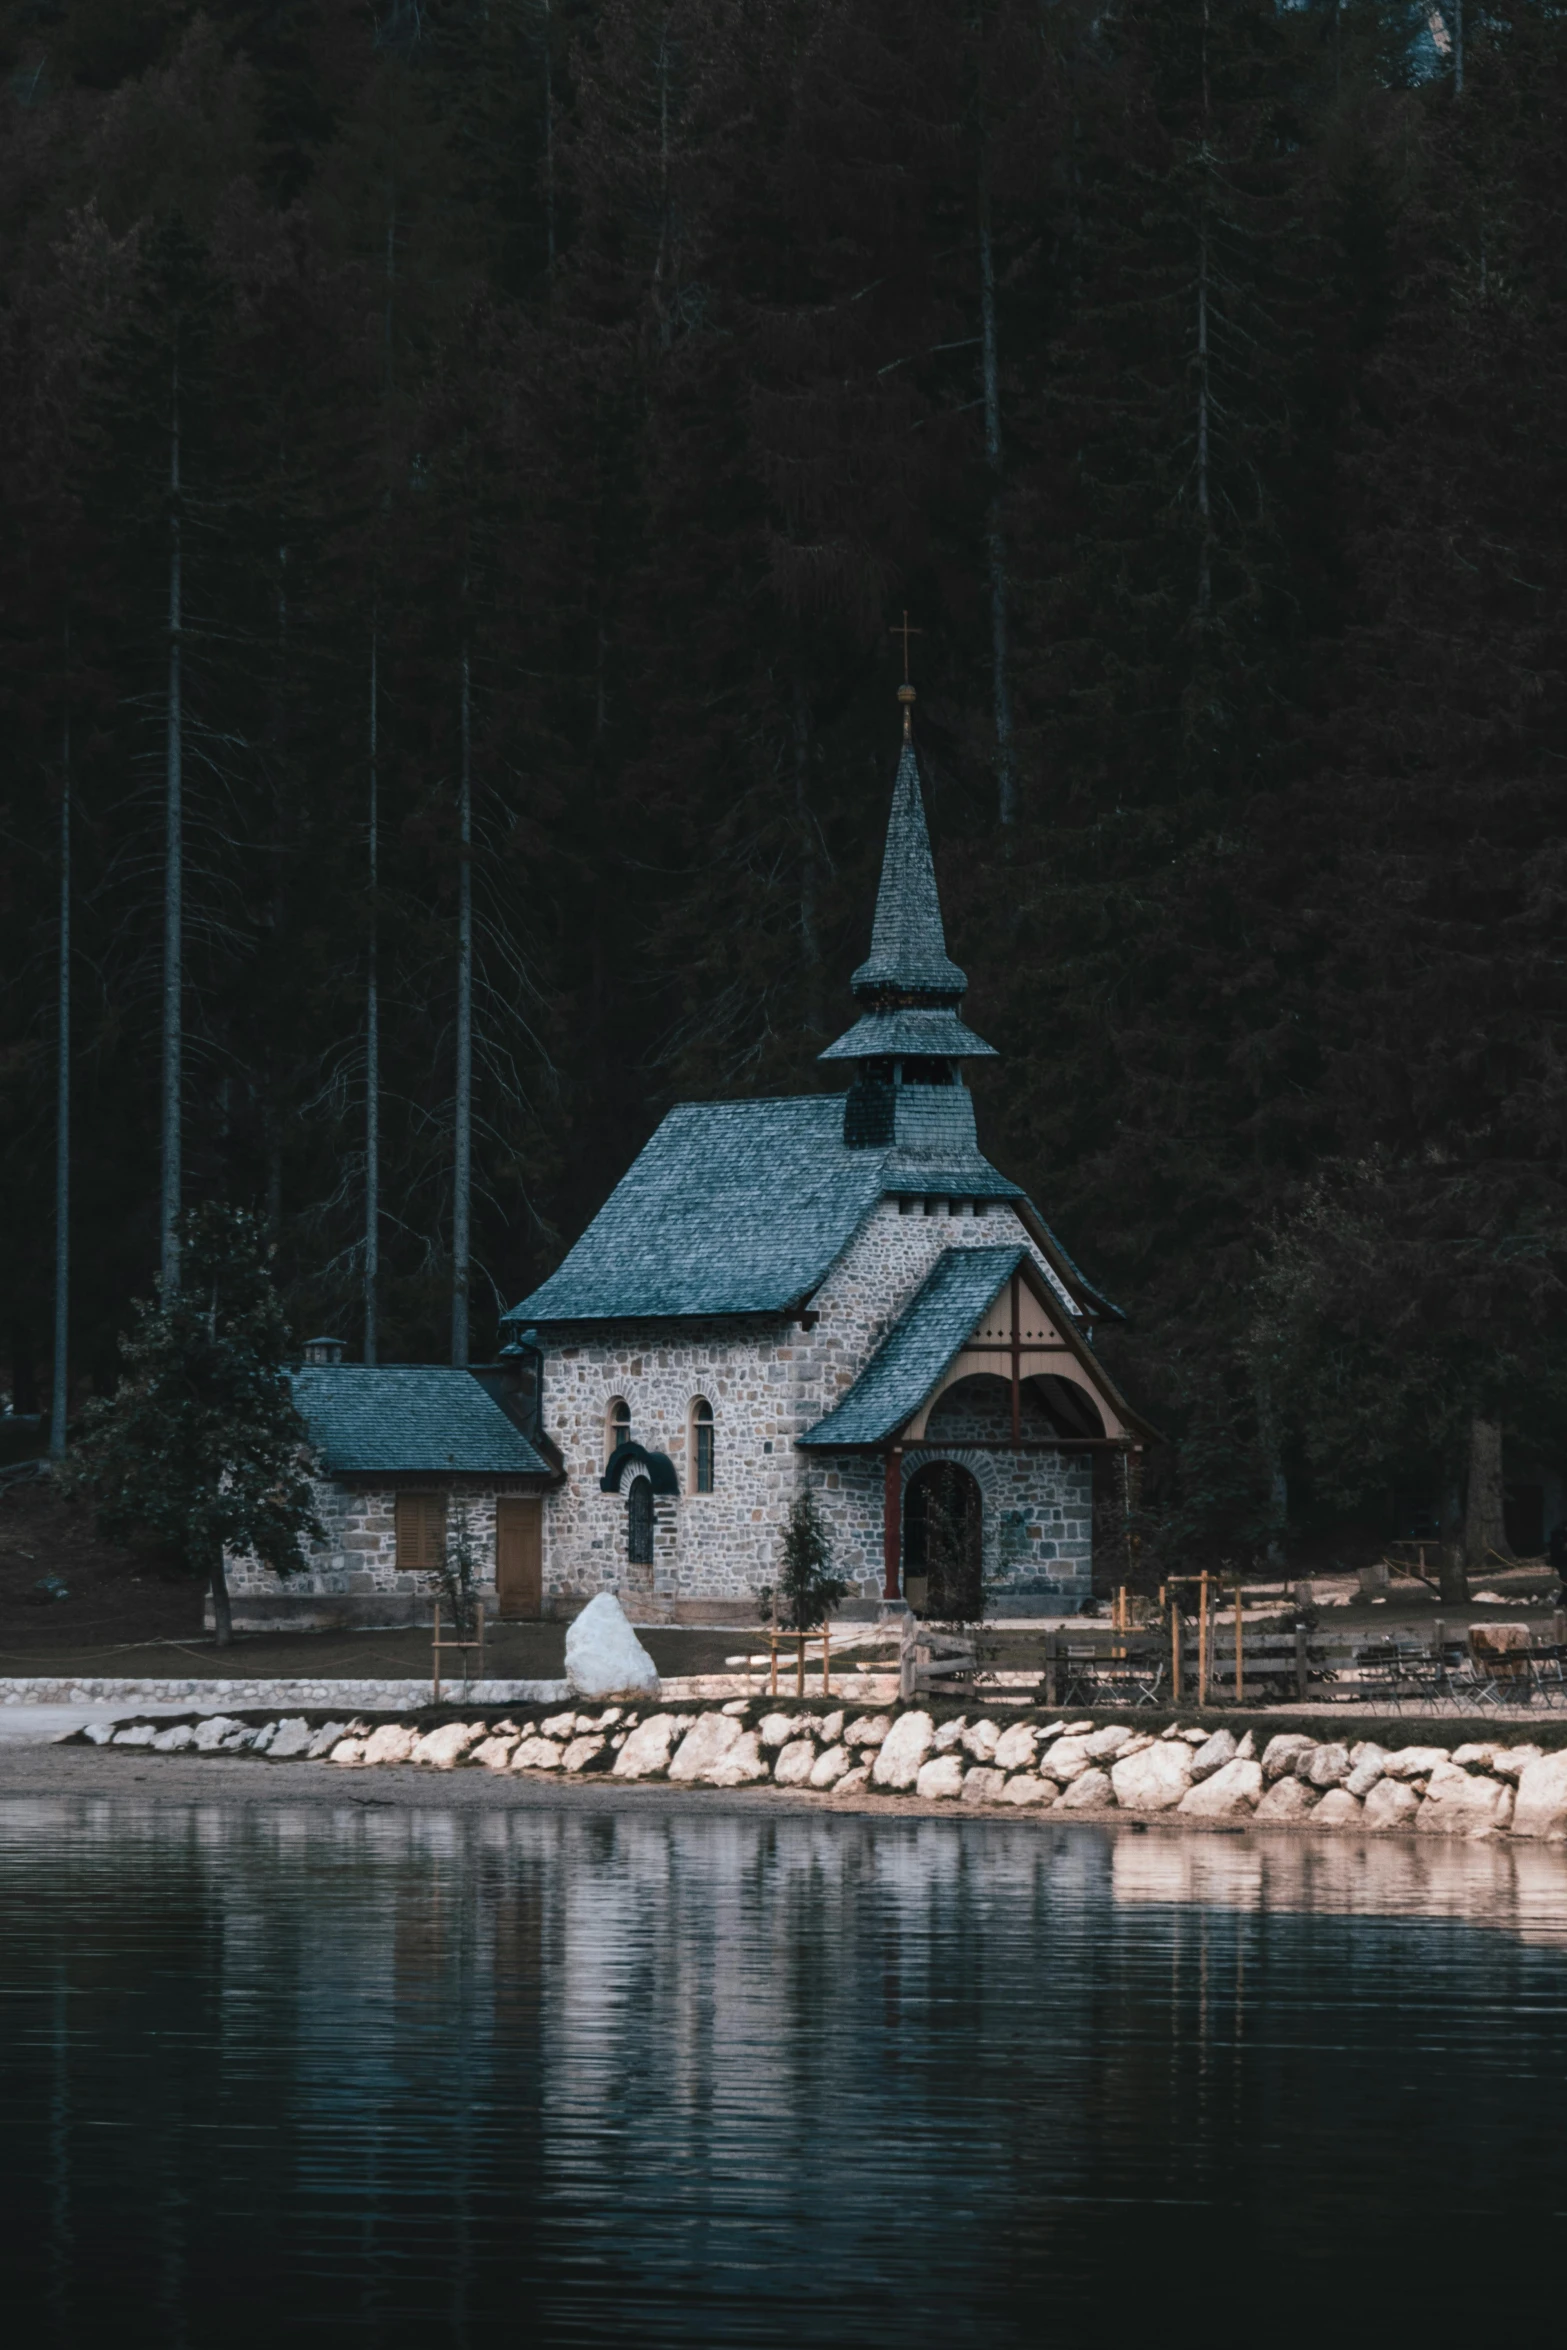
943, 1543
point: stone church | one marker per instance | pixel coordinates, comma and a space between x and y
833, 1290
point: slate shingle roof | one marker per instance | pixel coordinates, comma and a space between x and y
939, 1033
738, 1208
409, 1418
958, 1291
908, 943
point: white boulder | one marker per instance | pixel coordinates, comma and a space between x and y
903, 1749
708, 1739
604, 1657
1232, 1792
211, 1733
1327, 1767
176, 1740
950, 1734
831, 1727
869, 1730
1154, 1780
1368, 1765
1287, 1800
1541, 1808
1389, 1805
536, 1754
829, 1766
795, 1763
777, 1729
1512, 1761
742, 1765
1015, 1747
393, 1742
1026, 1789
646, 1752
493, 1754
1458, 1803
140, 1734
583, 1753
941, 1777
1067, 1759
979, 1740
1213, 1754
325, 1739
444, 1748
853, 1781
1107, 1742
983, 1785
1338, 1809
1091, 1790
349, 1752
1414, 1762
290, 1737
1281, 1755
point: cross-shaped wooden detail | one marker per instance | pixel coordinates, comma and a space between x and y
905, 690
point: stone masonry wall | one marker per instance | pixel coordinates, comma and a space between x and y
765, 1391
359, 1556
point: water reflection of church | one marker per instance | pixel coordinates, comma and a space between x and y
833, 1290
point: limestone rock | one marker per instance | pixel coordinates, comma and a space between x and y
238, 1741
1213, 1754
829, 1767
777, 1729
1281, 1755
1414, 1762
1232, 1792
1015, 1747
559, 1726
211, 1733
742, 1765
1476, 1755
140, 1734
1459, 1804
736, 1705
869, 1730
100, 1733
1067, 1759
1367, 1761
1154, 1780
1195, 1737
646, 1752
262, 1742
1138, 1741
1541, 1809
586, 1754
903, 1750
832, 1727
444, 1748
942, 1776
348, 1752
1026, 1789
536, 1754
1091, 1790
979, 1740
709, 1737
1286, 1799
493, 1754
325, 1739
950, 1733
1077, 1730
1328, 1767
1390, 1804
176, 1740
983, 1785
604, 1657
1172, 1730
853, 1781
1247, 1749
393, 1742
1108, 1742
291, 1737
1512, 1761
795, 1763
1338, 1809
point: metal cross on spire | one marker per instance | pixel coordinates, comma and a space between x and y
905, 690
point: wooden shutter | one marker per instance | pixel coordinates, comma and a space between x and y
421, 1531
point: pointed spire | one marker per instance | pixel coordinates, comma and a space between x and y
908, 954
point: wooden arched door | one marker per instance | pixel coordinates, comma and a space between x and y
943, 1543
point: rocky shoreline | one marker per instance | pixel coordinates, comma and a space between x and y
1480, 1788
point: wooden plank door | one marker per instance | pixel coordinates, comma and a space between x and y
519, 1557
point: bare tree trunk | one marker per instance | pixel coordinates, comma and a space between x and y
1454, 1583
1485, 1529
222, 1614
62, 1121
373, 1029
462, 1112
995, 543
173, 878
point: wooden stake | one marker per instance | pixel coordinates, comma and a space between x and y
826, 1668
1175, 1651
1240, 1669
1202, 1640
799, 1665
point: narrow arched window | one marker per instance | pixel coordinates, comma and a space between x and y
639, 1523
617, 1426
701, 1446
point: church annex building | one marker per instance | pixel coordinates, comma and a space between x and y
832, 1290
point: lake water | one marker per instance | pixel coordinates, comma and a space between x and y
537, 2078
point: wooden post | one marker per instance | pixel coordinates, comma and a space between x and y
1052, 1669
1175, 1650
435, 1659
892, 1525
1302, 1661
479, 1676
772, 1642
826, 1667
1202, 1640
799, 1665
1240, 1670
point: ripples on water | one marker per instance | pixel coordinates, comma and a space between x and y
546, 2078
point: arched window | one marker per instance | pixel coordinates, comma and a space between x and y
639, 1523
617, 1426
701, 1455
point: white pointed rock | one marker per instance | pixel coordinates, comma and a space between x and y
983, 1785
1390, 1805
1338, 1809
1458, 1803
536, 1754
708, 1739
583, 1753
795, 1763
1091, 1790
903, 1749
604, 1657
1286, 1801
940, 1778
829, 1767
1154, 1780
645, 1754
443, 1749
1213, 1754
1281, 1755
1232, 1792
742, 1765
979, 1740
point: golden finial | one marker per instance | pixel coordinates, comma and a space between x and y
905, 690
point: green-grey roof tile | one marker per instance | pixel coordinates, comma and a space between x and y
409, 1419
939, 1034
908, 943
956, 1294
